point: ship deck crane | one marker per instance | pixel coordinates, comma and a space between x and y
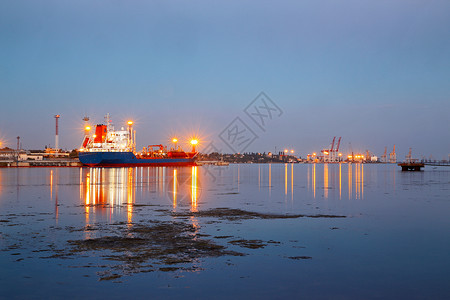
161, 147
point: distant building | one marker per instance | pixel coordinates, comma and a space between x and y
22, 155
7, 153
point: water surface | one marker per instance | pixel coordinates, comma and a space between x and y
367, 231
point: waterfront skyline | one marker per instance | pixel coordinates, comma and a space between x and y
374, 73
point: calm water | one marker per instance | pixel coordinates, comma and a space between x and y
393, 243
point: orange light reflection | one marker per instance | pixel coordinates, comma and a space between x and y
292, 182
314, 180
87, 196
130, 196
51, 184
362, 181
56, 196
194, 188
325, 181
285, 179
340, 181
105, 190
350, 189
175, 188
270, 179
357, 181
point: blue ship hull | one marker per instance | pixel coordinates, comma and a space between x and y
128, 159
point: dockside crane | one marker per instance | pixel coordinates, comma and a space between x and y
368, 156
332, 144
350, 157
327, 153
393, 156
384, 156
409, 156
336, 152
331, 156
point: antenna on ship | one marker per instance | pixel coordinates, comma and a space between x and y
109, 124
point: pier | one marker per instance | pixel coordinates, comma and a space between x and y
41, 163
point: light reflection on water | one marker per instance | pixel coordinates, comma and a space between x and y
174, 188
194, 188
104, 189
333, 179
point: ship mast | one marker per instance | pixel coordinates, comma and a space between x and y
109, 125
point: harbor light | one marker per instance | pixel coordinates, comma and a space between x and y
292, 151
130, 123
314, 154
194, 143
285, 150
87, 128
174, 141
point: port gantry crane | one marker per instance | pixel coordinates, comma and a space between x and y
336, 153
384, 156
393, 156
331, 154
328, 152
330, 157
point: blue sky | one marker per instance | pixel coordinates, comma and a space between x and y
376, 73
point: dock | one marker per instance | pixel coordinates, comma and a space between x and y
41, 163
212, 162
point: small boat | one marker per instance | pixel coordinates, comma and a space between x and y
106, 147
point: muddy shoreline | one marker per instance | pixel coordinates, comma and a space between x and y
151, 245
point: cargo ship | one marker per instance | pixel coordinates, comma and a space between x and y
103, 146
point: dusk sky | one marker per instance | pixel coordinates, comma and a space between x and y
376, 73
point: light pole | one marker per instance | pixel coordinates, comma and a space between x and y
130, 132
194, 143
174, 141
